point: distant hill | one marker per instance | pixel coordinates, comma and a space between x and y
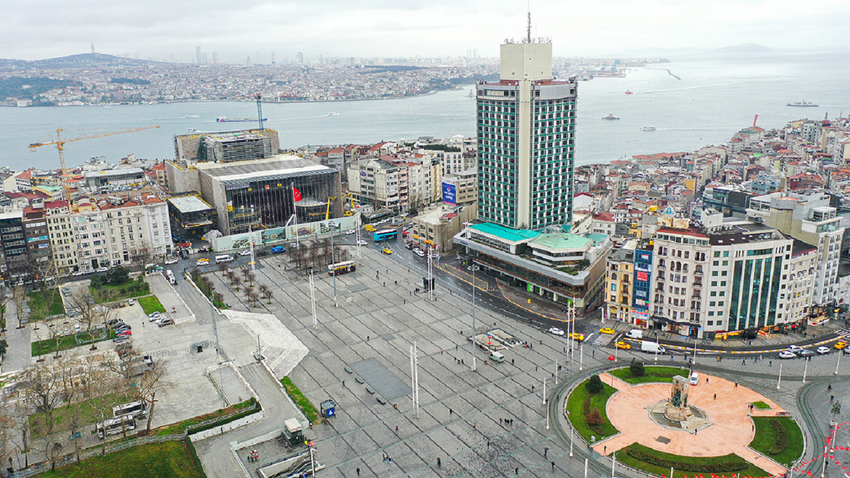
85, 60
745, 48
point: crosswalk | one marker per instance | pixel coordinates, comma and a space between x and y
844, 333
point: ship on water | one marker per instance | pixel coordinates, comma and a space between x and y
803, 104
610, 116
225, 119
648, 128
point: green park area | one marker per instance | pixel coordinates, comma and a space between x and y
586, 408
44, 303
151, 304
780, 438
214, 419
65, 342
658, 463
761, 405
172, 459
650, 374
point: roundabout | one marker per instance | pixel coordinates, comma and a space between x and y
711, 426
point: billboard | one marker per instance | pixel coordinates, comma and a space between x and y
449, 192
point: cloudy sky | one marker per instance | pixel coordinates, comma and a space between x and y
169, 29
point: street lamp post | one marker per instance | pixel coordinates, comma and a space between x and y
473, 268
779, 380
333, 261
805, 369
838, 361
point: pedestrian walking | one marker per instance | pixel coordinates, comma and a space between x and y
512, 361
736, 384
500, 420
439, 463
831, 397
396, 428
450, 412
545, 451
829, 387
715, 396
343, 383
553, 466
516, 471
605, 450
532, 388
770, 363
706, 379
358, 471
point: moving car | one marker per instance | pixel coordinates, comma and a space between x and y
787, 355
362, 242
577, 336
840, 344
607, 330
202, 261
350, 232
694, 379
556, 331
173, 260
245, 252
419, 252
823, 350
387, 251
805, 353
623, 345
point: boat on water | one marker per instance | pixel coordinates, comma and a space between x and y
629, 92
648, 128
225, 119
471, 94
191, 130
333, 113
191, 116
610, 116
803, 104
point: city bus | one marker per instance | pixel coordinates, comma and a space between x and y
341, 268
114, 426
133, 409
385, 234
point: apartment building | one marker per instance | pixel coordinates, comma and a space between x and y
619, 279
375, 182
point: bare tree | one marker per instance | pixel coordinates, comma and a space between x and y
218, 298
17, 415
230, 275
248, 291
253, 297
251, 277
237, 282
267, 293
245, 271
4, 299
90, 316
43, 391
222, 267
19, 297
140, 258
150, 384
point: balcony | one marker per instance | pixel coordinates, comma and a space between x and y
697, 285
698, 273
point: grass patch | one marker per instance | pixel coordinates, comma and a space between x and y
652, 374
44, 304
89, 412
300, 400
575, 407
115, 292
180, 427
151, 304
171, 459
647, 459
65, 342
785, 450
761, 405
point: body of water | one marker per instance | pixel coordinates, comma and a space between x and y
716, 96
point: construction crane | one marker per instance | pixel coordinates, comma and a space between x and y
353, 209
328, 211
60, 145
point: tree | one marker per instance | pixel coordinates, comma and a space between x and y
43, 392
253, 297
90, 316
248, 291
251, 277
117, 275
223, 267
140, 258
594, 385
594, 418
151, 383
230, 275
218, 298
637, 369
237, 282
836, 409
19, 297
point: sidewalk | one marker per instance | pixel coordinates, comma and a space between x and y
19, 352
532, 302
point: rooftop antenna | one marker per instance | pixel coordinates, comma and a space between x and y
528, 39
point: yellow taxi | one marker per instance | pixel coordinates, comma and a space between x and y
623, 345
607, 330
840, 344
387, 251
577, 336
203, 262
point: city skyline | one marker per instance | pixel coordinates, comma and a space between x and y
331, 29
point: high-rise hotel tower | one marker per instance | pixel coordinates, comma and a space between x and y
526, 141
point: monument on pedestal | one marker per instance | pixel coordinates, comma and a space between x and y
675, 412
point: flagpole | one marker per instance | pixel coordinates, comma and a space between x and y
294, 212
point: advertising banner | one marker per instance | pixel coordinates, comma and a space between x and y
449, 193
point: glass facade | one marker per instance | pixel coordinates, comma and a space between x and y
755, 291
497, 160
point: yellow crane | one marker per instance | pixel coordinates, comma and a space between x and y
60, 145
328, 211
353, 209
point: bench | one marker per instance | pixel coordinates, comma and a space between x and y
359, 380
370, 390
349, 370
381, 400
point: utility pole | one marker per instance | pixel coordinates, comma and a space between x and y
779, 380
414, 379
805, 369
313, 300
431, 276
473, 268
333, 261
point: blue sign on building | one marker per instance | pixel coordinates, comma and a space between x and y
449, 193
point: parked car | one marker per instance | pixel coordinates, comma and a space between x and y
350, 232
131, 301
823, 350
125, 332
245, 252
787, 355
805, 353
173, 260
556, 331
607, 330
419, 252
165, 321
694, 379
623, 345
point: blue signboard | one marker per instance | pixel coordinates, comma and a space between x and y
449, 193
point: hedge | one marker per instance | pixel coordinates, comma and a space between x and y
728, 466
252, 402
781, 442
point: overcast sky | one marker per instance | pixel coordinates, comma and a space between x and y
166, 29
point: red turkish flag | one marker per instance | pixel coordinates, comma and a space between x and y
296, 193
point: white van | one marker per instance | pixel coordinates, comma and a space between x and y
635, 334
497, 357
224, 258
